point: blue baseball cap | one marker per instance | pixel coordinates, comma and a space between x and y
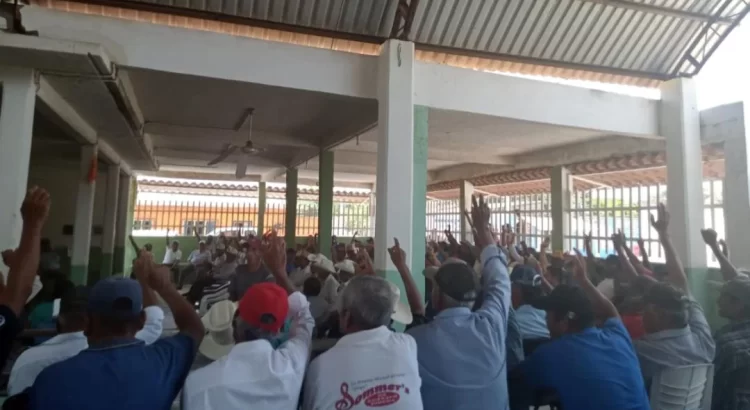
525, 275
116, 297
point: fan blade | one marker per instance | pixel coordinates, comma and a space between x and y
241, 166
225, 152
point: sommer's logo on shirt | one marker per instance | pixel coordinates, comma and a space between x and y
380, 395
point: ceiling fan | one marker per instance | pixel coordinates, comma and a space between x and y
245, 151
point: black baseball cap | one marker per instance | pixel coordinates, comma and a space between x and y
457, 280
567, 301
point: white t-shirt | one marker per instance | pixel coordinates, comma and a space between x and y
171, 256
196, 257
371, 368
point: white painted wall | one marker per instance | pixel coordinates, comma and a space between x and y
61, 180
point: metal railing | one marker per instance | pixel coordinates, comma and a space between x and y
239, 216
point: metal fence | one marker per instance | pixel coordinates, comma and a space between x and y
529, 215
239, 216
600, 211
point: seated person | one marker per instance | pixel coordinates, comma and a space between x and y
224, 268
462, 353
589, 368
526, 287
71, 323
371, 365
254, 374
252, 272
301, 270
200, 261
117, 370
677, 333
323, 269
318, 307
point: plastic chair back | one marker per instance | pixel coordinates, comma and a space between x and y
682, 388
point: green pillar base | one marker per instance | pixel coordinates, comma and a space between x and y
79, 274
107, 265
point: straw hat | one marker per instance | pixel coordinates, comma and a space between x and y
218, 322
401, 312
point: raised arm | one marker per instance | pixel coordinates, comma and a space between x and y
494, 267
675, 272
398, 256
184, 314
728, 271
626, 268
644, 254
603, 307
23, 263
197, 235
634, 261
134, 245
274, 256
512, 251
167, 237
543, 264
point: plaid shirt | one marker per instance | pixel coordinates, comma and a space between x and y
732, 367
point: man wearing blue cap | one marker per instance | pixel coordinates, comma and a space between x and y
119, 371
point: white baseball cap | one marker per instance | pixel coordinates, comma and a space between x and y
401, 312
319, 260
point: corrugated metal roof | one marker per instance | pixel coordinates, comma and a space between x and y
634, 42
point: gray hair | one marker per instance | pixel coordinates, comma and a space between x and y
369, 301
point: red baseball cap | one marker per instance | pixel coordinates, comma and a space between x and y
265, 306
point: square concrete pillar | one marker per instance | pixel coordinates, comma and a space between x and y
261, 208
737, 182
464, 204
325, 202
82, 226
110, 220
290, 228
125, 209
679, 122
16, 125
561, 186
402, 163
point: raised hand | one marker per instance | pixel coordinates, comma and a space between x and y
587, 241
480, 220
35, 207
364, 263
710, 237
618, 240
274, 254
579, 267
545, 243
724, 247
398, 256
159, 277
661, 223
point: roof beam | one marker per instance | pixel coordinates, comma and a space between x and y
663, 11
142, 45
221, 135
455, 89
464, 171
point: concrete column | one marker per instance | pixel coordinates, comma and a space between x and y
371, 222
110, 221
325, 202
16, 124
464, 204
79, 264
402, 163
680, 126
290, 228
125, 208
737, 187
261, 208
561, 184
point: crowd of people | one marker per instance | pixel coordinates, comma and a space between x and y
500, 326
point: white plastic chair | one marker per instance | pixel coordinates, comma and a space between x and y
211, 295
683, 388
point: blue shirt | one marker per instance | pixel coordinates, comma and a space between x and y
122, 375
533, 322
593, 369
461, 354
